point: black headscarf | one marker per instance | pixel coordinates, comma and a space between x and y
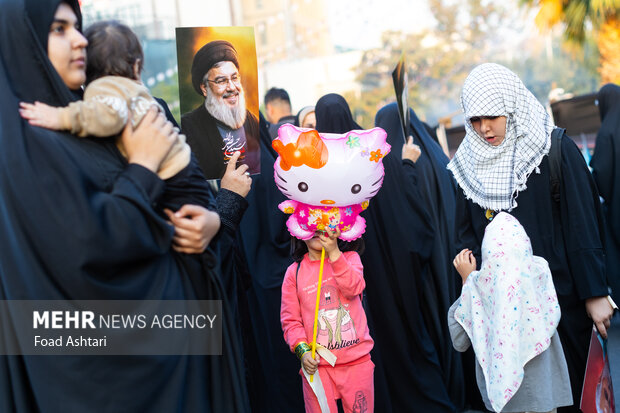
442, 285
333, 115
266, 242
605, 165
79, 223
606, 159
47, 86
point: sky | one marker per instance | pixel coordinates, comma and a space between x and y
353, 24
359, 23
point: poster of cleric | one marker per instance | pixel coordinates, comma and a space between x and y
218, 90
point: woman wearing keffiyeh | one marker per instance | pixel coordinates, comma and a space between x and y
498, 165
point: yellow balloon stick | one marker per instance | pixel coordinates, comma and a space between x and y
316, 308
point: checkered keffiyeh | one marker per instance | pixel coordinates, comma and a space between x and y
492, 176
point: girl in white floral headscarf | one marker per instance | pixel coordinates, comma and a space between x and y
509, 313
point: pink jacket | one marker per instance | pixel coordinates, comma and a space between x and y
343, 328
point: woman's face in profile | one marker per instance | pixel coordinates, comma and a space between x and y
309, 121
490, 128
66, 47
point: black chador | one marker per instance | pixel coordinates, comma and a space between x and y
605, 165
440, 284
273, 372
78, 223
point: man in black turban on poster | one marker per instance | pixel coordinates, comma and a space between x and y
222, 125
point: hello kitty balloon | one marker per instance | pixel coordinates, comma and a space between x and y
329, 178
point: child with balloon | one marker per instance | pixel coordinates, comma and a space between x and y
329, 179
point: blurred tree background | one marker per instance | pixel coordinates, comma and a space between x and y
466, 34
550, 44
168, 90
584, 21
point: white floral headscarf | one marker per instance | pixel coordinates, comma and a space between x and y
509, 309
492, 176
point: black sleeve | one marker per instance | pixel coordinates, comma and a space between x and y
90, 227
167, 112
230, 207
188, 187
465, 236
602, 164
411, 172
144, 180
104, 224
582, 223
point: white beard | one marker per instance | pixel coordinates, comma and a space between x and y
233, 117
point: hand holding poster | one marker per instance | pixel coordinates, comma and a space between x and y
597, 395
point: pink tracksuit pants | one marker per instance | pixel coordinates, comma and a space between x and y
353, 384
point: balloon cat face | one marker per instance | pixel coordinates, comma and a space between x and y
329, 169
328, 174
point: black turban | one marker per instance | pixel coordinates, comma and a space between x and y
208, 55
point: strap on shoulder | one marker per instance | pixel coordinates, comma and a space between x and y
555, 163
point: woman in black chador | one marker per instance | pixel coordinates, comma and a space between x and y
503, 164
266, 243
79, 222
441, 284
605, 165
399, 241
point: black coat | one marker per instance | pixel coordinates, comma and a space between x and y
605, 165
399, 245
206, 142
566, 235
79, 223
441, 285
275, 382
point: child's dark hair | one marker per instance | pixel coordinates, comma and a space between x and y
299, 247
113, 50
